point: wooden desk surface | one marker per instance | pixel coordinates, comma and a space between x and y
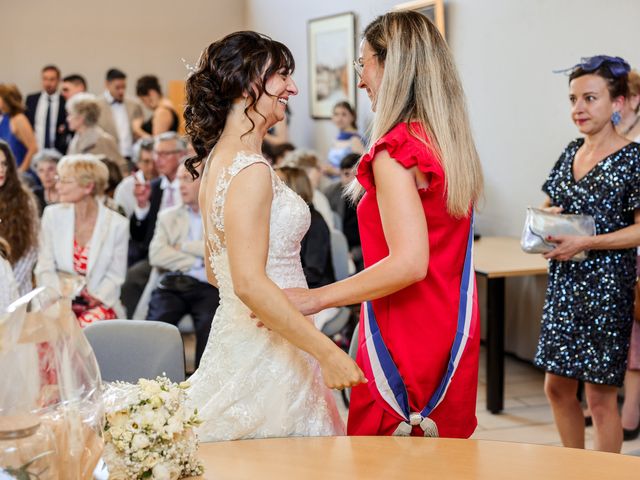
498, 257
354, 458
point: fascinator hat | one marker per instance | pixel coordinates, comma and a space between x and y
617, 66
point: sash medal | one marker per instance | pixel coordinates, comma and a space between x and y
386, 384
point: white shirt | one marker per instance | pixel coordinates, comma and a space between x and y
195, 233
41, 117
168, 189
123, 125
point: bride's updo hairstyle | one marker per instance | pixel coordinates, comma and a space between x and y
239, 64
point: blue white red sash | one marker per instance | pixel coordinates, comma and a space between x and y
384, 380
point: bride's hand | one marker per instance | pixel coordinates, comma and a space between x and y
339, 371
304, 300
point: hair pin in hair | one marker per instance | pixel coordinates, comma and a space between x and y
188, 66
616, 65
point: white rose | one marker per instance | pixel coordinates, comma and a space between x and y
140, 441
161, 472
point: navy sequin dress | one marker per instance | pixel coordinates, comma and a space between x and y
588, 309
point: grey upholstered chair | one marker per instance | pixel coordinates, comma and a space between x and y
127, 350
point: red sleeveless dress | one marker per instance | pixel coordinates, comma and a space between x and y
418, 323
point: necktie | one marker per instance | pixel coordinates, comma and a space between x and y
170, 201
47, 126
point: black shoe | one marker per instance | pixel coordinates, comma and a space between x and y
631, 434
588, 421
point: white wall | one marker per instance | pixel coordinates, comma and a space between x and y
89, 37
506, 51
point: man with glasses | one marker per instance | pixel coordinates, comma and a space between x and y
146, 171
151, 198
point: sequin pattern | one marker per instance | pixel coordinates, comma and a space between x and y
251, 382
588, 310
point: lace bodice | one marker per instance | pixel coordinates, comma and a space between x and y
290, 219
251, 382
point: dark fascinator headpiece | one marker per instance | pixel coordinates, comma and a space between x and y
616, 65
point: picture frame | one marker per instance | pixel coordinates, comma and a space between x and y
332, 79
432, 9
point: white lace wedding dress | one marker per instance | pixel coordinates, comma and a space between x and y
252, 383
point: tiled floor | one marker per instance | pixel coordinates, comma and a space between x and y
526, 418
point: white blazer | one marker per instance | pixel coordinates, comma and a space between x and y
107, 262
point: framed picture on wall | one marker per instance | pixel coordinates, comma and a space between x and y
432, 9
331, 42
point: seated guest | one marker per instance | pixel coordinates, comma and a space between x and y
308, 161
151, 197
146, 171
81, 237
177, 249
348, 139
164, 118
15, 128
72, 84
45, 163
19, 220
114, 179
345, 208
83, 112
315, 248
315, 251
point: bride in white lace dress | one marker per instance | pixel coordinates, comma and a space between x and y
255, 382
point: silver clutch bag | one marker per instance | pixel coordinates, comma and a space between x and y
540, 224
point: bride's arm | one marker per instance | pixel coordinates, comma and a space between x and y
406, 233
246, 218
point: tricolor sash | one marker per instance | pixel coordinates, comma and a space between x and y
384, 380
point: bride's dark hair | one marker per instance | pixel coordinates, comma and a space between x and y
240, 63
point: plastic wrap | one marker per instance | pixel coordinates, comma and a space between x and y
48, 370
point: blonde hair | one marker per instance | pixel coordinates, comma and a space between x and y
420, 83
86, 168
85, 105
297, 180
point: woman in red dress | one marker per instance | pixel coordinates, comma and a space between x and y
421, 178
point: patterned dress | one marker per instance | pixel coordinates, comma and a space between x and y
100, 312
588, 310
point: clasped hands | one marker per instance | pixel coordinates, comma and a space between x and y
567, 246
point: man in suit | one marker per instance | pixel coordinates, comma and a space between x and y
46, 112
117, 113
151, 197
177, 250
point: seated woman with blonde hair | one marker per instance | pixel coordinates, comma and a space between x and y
81, 237
83, 111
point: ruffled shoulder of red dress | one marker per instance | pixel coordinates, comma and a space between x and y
403, 147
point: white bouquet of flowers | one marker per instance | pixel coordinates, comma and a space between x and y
149, 432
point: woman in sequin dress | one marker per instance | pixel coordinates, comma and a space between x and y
587, 316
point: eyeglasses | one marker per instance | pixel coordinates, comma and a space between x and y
358, 64
166, 153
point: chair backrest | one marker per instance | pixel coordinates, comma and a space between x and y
339, 254
127, 350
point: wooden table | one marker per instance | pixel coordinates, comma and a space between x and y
355, 458
497, 258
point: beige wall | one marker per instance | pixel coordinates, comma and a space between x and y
88, 37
